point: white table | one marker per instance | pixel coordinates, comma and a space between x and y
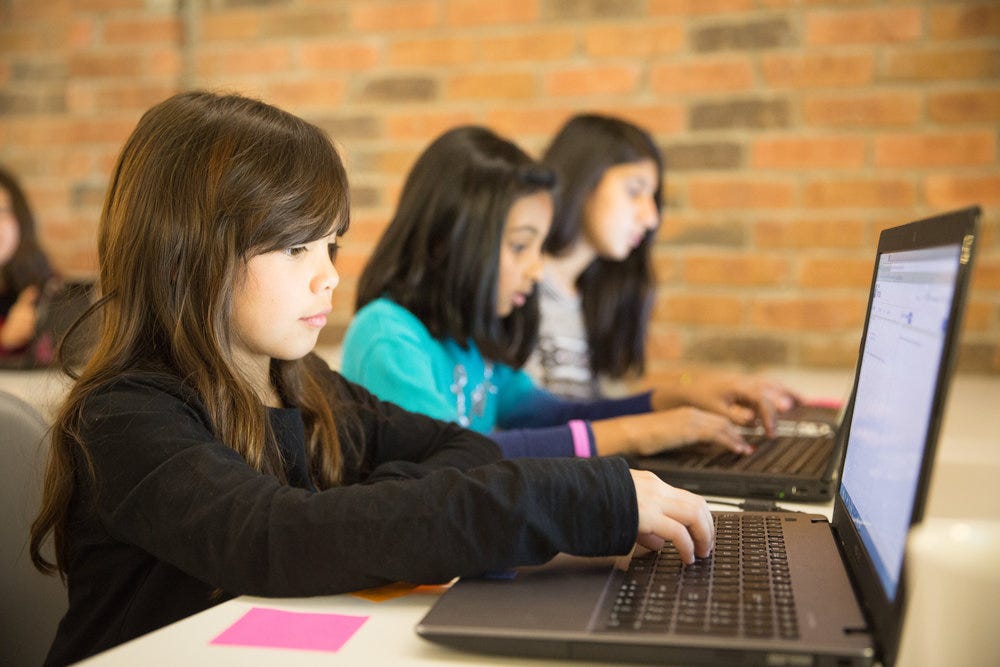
966, 484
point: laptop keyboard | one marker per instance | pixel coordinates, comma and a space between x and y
800, 448
743, 589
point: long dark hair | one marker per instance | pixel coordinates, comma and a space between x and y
616, 296
204, 183
439, 257
28, 265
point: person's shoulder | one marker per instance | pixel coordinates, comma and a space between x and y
384, 318
147, 382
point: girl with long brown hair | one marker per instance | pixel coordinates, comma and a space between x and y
205, 451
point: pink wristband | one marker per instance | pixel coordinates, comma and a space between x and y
581, 439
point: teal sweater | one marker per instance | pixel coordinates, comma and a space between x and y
390, 352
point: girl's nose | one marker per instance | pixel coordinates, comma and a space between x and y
535, 270
650, 213
327, 279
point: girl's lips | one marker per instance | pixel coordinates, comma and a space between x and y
318, 321
518, 300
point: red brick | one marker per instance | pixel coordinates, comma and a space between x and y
860, 193
807, 234
102, 130
25, 39
592, 80
817, 71
805, 314
492, 85
634, 41
793, 153
863, 26
311, 93
137, 97
36, 133
396, 15
667, 268
142, 31
103, 63
945, 191
310, 23
107, 5
966, 106
533, 121
351, 260
27, 11
695, 7
870, 109
663, 344
81, 33
732, 270
936, 150
944, 64
339, 55
239, 24
739, 194
658, 119
979, 316
243, 60
490, 12
986, 273
702, 76
529, 46
365, 231
432, 52
397, 162
964, 21
833, 272
832, 351
423, 126
689, 308
164, 63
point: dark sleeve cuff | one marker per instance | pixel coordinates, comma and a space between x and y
537, 442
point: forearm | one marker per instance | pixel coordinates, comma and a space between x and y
629, 435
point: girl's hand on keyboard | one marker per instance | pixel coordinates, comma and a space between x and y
670, 514
741, 398
654, 432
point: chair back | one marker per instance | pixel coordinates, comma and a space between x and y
31, 603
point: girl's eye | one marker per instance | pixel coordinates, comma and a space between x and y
295, 250
332, 248
518, 248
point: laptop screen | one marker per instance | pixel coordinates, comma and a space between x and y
898, 373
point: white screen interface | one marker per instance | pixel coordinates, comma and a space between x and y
896, 382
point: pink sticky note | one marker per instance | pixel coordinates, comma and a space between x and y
275, 628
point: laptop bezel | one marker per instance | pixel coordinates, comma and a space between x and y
955, 227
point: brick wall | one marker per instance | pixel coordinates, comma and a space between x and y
794, 129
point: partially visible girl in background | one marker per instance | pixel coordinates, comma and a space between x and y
25, 278
596, 290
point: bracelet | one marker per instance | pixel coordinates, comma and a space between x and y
581, 438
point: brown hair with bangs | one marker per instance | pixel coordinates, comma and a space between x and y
204, 183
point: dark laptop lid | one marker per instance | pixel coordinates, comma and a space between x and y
906, 358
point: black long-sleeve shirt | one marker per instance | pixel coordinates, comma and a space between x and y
177, 521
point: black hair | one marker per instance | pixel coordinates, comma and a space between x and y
439, 256
616, 296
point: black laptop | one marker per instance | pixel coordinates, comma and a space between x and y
799, 461
779, 588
